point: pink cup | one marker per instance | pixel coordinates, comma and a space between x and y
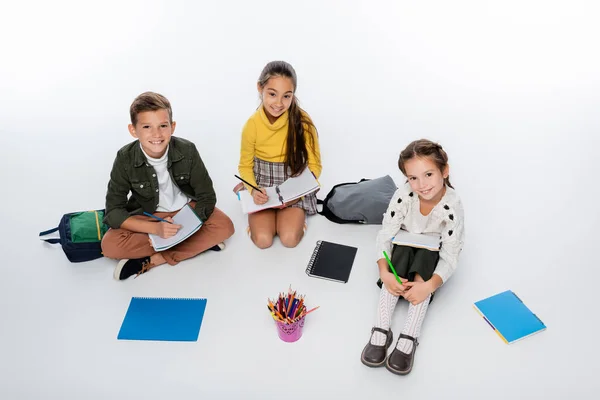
290, 332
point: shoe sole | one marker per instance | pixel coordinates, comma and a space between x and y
119, 268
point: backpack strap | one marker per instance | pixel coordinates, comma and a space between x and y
46, 233
326, 212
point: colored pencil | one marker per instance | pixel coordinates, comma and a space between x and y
288, 308
392, 267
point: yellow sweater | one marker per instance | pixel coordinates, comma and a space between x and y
267, 142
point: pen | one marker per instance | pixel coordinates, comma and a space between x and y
158, 218
247, 183
392, 267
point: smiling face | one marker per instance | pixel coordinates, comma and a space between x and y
154, 130
277, 96
426, 179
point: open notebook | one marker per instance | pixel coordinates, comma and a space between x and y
190, 224
292, 189
420, 240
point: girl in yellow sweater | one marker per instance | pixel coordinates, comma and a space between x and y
278, 141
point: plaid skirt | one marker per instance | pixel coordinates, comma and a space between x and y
269, 174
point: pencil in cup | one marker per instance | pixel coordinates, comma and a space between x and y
288, 309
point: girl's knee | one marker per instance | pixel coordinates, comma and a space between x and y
290, 239
262, 240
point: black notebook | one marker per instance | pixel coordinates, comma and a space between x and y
331, 261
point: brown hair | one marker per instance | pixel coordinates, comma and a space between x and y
425, 148
149, 101
296, 157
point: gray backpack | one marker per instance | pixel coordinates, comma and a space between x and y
362, 202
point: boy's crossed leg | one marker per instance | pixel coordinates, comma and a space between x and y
137, 255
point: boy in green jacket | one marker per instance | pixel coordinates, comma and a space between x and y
163, 174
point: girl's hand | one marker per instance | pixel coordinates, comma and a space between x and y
289, 203
392, 285
166, 230
416, 292
260, 197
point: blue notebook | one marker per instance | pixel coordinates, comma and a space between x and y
509, 316
163, 319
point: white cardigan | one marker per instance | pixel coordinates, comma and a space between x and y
446, 219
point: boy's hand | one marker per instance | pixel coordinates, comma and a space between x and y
392, 285
165, 230
260, 197
417, 292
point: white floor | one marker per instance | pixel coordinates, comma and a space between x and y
510, 90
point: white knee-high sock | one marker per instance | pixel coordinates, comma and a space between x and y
412, 326
387, 303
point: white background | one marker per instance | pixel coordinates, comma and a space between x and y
510, 89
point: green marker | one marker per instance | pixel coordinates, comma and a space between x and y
392, 267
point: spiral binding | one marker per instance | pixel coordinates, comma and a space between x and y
168, 298
279, 194
314, 257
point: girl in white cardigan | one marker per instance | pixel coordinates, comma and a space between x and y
427, 204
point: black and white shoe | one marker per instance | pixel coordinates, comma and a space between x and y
218, 247
128, 267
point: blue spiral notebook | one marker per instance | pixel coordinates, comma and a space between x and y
163, 319
509, 317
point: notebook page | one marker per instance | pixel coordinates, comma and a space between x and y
298, 186
248, 205
190, 223
425, 241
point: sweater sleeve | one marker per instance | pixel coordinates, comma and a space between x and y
314, 151
452, 241
392, 221
246, 165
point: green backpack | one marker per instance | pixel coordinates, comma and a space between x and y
80, 235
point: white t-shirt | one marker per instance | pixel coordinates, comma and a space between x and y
170, 198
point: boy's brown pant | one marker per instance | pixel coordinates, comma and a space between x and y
121, 243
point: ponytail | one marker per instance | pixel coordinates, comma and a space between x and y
296, 147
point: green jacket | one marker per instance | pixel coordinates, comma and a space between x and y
131, 173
